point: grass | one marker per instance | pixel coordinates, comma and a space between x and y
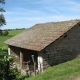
65, 71
4, 38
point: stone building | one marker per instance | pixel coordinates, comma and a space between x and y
45, 45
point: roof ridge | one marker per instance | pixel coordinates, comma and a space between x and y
57, 22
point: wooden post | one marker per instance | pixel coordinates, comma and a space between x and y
34, 65
40, 64
21, 60
8, 51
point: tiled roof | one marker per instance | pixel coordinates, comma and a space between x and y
41, 35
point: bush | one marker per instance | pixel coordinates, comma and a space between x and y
6, 72
5, 33
1, 33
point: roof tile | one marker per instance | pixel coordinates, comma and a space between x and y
41, 35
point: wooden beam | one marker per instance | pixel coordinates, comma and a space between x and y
40, 64
21, 60
8, 51
34, 64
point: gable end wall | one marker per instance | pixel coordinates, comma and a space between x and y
64, 49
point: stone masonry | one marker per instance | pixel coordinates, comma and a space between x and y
66, 48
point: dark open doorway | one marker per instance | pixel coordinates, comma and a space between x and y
27, 58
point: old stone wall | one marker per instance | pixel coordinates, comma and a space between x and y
66, 48
23, 55
15, 54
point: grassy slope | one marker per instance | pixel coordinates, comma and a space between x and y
11, 34
66, 71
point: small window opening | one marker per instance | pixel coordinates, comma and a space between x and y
79, 24
65, 36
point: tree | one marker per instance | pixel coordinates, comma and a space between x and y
2, 18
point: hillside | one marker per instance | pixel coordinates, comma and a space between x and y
11, 34
65, 71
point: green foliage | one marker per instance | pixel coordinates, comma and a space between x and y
2, 10
15, 29
4, 65
20, 77
2, 19
1, 33
2, 1
6, 72
5, 33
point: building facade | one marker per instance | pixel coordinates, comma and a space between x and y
45, 45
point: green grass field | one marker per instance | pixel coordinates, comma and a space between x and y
11, 34
65, 71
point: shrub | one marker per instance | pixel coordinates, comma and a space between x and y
6, 72
5, 33
1, 33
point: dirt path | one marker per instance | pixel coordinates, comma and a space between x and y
77, 78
